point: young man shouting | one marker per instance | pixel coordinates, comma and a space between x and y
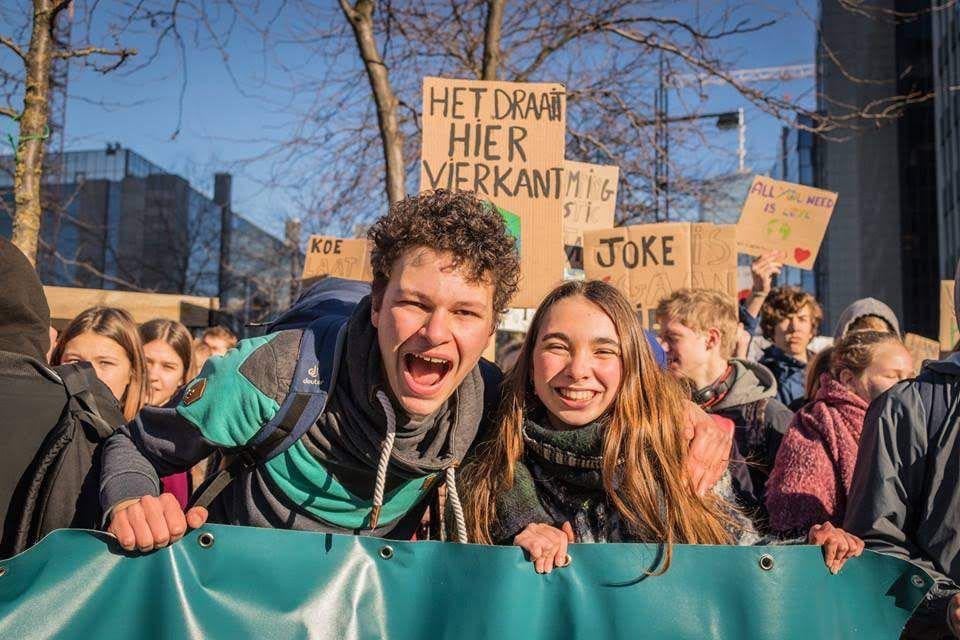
406, 407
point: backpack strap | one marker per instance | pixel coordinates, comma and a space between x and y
76, 378
314, 377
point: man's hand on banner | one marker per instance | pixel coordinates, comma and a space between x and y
953, 615
711, 438
838, 545
546, 545
150, 523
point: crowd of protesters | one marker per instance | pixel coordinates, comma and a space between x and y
728, 426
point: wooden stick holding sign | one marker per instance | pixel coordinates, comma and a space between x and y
648, 262
340, 257
949, 333
781, 215
589, 202
505, 142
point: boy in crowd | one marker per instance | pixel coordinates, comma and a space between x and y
790, 319
407, 405
698, 328
903, 497
219, 340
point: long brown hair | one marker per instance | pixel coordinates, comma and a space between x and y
644, 450
119, 326
174, 334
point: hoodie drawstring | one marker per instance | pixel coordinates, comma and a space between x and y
450, 474
454, 498
385, 453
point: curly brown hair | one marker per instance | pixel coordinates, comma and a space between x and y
472, 230
782, 303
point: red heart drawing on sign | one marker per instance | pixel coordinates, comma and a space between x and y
801, 254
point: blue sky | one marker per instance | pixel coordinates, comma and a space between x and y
222, 125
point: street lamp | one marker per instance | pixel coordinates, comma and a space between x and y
726, 120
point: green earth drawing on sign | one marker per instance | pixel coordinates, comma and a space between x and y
513, 224
778, 228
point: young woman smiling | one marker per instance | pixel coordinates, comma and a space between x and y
107, 338
590, 447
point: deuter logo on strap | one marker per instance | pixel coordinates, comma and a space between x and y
313, 375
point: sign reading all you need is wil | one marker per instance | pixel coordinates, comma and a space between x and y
783, 216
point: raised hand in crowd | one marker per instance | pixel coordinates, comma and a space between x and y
838, 545
763, 270
546, 545
150, 523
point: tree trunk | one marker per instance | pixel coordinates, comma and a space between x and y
491, 41
361, 19
33, 130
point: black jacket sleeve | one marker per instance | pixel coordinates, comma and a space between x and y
158, 442
888, 488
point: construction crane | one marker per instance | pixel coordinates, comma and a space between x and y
725, 120
762, 74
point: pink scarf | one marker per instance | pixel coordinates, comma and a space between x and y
814, 467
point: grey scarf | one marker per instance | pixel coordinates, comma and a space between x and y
367, 432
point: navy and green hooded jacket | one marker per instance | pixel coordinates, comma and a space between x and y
326, 480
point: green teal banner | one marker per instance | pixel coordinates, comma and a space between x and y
239, 582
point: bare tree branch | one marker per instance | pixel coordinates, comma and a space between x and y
13, 46
88, 51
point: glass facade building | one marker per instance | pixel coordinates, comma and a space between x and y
946, 71
883, 238
114, 220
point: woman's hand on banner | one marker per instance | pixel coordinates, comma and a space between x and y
838, 545
546, 545
150, 523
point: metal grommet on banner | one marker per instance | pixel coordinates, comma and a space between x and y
386, 552
917, 581
205, 539
766, 562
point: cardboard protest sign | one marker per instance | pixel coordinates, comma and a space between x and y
921, 349
589, 202
648, 262
505, 142
949, 333
781, 215
713, 257
341, 257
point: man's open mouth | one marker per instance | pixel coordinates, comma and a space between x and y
425, 372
